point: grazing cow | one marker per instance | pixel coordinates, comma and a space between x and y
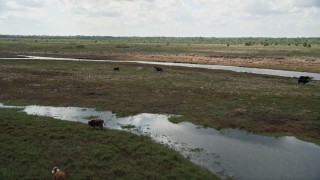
304, 79
58, 174
96, 122
116, 69
158, 69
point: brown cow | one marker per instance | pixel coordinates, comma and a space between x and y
96, 122
58, 174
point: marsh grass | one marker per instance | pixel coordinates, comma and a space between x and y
32, 145
177, 119
213, 98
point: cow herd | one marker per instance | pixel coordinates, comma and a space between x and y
58, 174
302, 79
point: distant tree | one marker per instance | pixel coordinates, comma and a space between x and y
305, 44
248, 43
309, 46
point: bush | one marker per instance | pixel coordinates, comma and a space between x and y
305, 44
248, 43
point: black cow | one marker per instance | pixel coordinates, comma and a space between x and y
96, 122
116, 69
304, 79
158, 68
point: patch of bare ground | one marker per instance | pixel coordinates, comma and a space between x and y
311, 64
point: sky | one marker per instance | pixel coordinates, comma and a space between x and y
171, 18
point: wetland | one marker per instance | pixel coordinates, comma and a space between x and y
234, 103
229, 153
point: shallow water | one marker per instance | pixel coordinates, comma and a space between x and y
228, 153
283, 73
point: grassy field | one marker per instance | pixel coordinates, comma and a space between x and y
212, 98
301, 54
31, 146
260, 103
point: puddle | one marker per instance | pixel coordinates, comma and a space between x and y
283, 73
228, 153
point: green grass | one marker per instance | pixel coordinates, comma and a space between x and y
177, 119
163, 45
32, 145
212, 98
128, 126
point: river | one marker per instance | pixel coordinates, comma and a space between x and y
283, 73
229, 153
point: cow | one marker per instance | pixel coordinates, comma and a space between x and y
96, 122
304, 79
116, 69
158, 68
58, 174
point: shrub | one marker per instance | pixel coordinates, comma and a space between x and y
305, 44
248, 43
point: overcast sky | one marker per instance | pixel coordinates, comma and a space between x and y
206, 18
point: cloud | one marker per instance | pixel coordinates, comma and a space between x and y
143, 10
164, 17
306, 3
21, 5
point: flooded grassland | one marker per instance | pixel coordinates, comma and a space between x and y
240, 102
213, 98
229, 153
32, 145
272, 53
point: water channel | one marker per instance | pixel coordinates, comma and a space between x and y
284, 73
229, 152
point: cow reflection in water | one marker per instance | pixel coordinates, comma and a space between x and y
304, 79
96, 122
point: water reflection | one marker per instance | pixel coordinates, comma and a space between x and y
283, 73
229, 152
